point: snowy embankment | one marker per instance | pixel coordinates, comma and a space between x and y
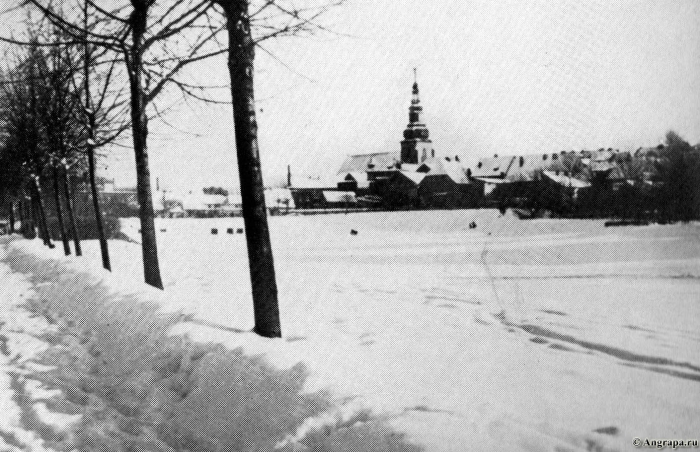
109, 375
536, 335
25, 420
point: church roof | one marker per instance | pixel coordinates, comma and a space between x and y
377, 161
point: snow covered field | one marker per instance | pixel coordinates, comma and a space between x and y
519, 335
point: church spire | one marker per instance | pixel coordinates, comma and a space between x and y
416, 134
416, 99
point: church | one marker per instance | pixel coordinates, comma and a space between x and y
412, 176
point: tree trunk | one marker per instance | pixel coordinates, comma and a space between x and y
59, 213
26, 218
33, 231
139, 124
98, 213
20, 212
71, 214
90, 143
12, 217
36, 224
41, 213
262, 269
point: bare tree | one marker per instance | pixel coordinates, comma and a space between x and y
241, 56
150, 65
60, 120
143, 33
241, 69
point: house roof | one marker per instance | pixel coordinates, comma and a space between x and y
441, 166
566, 180
526, 167
378, 161
495, 167
598, 166
411, 176
360, 178
514, 168
492, 180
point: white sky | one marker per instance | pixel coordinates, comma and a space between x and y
495, 77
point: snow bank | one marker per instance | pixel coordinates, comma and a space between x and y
19, 345
518, 335
146, 387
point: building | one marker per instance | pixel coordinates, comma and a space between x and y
447, 184
364, 169
307, 193
202, 205
411, 177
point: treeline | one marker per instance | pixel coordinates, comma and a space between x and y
49, 137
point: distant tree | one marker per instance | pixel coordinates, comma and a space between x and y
679, 174
215, 191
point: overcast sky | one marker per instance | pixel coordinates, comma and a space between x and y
495, 77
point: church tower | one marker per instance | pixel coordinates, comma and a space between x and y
416, 147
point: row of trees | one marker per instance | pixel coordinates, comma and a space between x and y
91, 49
47, 136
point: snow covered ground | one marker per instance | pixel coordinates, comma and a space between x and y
518, 335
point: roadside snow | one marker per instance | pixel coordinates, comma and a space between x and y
19, 343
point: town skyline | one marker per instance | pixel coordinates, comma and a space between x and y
507, 79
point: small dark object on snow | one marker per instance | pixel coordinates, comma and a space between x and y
214, 231
229, 231
472, 225
353, 232
163, 230
612, 430
239, 231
